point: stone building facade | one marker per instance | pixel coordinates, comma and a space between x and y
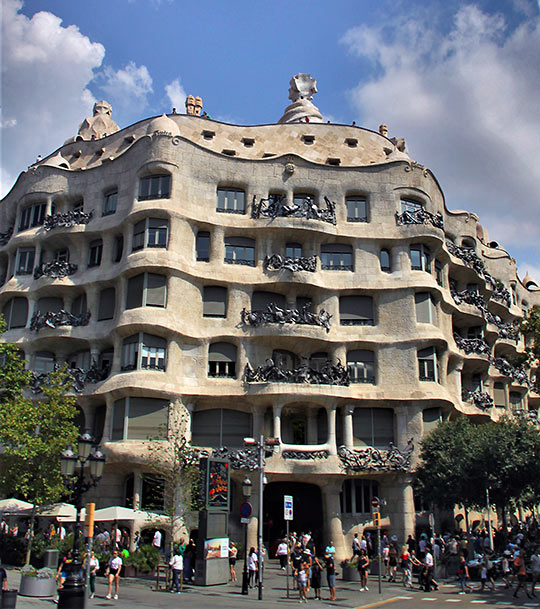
300, 280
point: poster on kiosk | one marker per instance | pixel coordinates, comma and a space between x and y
212, 562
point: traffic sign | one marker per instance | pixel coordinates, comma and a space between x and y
288, 507
375, 503
245, 510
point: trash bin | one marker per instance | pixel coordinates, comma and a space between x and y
9, 599
50, 559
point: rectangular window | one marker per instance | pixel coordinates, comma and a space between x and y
118, 248
425, 308
361, 365
427, 364
231, 201
439, 272
293, 250
138, 236
151, 232
410, 205
356, 311
153, 352
357, 210
61, 255
499, 394
214, 301
107, 300
240, 250
95, 252
119, 415
202, 246
110, 201
155, 187
33, 215
147, 290
79, 305
431, 417
336, 257
373, 427
420, 257
25, 261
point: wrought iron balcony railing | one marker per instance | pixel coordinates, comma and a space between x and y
420, 216
472, 345
55, 269
276, 315
481, 399
52, 319
67, 219
330, 374
275, 207
377, 459
275, 262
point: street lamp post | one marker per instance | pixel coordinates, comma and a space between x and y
73, 594
262, 444
246, 490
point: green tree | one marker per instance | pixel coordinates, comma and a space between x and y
176, 464
33, 433
460, 460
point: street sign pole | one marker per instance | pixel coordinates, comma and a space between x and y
376, 515
288, 516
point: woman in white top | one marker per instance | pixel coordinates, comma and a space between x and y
113, 574
252, 566
282, 554
94, 566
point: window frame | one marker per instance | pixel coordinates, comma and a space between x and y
25, 261
342, 251
155, 237
144, 290
352, 206
32, 215
425, 257
95, 253
110, 203
239, 251
163, 191
428, 365
222, 201
135, 350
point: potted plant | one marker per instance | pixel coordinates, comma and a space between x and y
37, 583
145, 559
349, 569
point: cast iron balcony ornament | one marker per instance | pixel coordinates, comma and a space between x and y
275, 262
72, 465
420, 216
274, 207
67, 219
57, 269
276, 315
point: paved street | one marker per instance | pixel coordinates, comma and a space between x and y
139, 594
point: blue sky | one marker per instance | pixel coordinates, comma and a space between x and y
460, 81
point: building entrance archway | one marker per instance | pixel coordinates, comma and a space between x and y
307, 512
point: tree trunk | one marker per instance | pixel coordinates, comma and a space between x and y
30, 535
504, 524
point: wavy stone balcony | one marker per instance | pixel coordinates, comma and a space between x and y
276, 315
56, 319
57, 269
330, 374
274, 207
66, 219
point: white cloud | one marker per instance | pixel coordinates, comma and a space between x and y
467, 104
45, 72
127, 87
177, 95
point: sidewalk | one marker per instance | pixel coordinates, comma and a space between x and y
139, 594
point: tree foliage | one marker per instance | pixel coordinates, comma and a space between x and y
33, 433
460, 460
170, 457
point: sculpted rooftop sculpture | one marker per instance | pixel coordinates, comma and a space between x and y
302, 110
100, 124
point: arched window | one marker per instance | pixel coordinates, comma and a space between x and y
15, 312
222, 360
220, 427
361, 364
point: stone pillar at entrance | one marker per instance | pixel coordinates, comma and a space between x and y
348, 436
332, 448
333, 530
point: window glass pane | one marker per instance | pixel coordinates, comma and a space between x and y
206, 428
214, 301
16, 313
118, 420
416, 258
44, 362
156, 290
293, 250
79, 305
385, 260
423, 304
106, 304
138, 235
109, 203
356, 209
146, 416
260, 300
203, 246
50, 304
118, 248
410, 205
135, 291
356, 310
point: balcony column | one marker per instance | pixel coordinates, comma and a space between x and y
217, 245
92, 301
137, 489
68, 302
348, 435
258, 422
32, 309
277, 420
331, 413
117, 355
121, 296
333, 529
94, 355
190, 408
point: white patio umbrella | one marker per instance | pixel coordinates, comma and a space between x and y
15, 506
62, 511
117, 512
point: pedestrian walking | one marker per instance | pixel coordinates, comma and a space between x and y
282, 553
177, 565
521, 574
252, 566
233, 553
406, 567
428, 570
113, 574
93, 563
356, 546
301, 581
363, 570
535, 569
316, 570
506, 571
463, 575
331, 575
